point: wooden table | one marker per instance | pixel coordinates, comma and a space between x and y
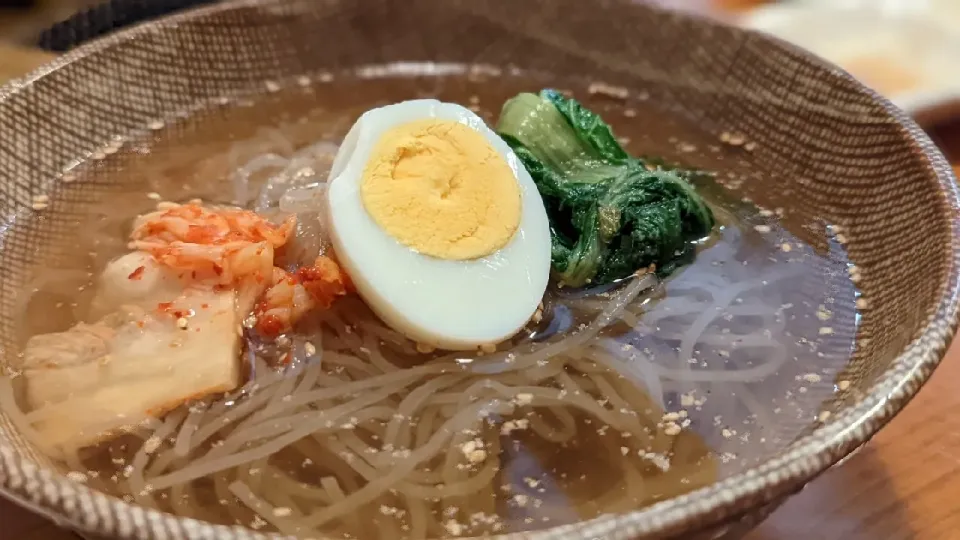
16, 61
903, 485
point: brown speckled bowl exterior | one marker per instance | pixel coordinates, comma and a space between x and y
851, 157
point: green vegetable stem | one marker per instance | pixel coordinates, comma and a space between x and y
610, 214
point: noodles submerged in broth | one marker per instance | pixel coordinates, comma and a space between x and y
612, 399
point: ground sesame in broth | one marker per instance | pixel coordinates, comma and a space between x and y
785, 333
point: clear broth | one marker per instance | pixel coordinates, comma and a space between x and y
796, 270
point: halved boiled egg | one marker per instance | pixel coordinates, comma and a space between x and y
439, 225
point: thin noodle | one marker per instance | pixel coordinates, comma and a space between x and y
369, 438
373, 489
182, 445
245, 495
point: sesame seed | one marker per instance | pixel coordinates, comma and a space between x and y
77, 476
763, 229
524, 399
182, 323
272, 86
672, 429
282, 511
786, 248
151, 445
154, 196
733, 139
811, 378
303, 80
670, 417
843, 385
826, 331
823, 416
603, 89
156, 125
512, 425
452, 527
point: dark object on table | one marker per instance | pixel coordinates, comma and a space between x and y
105, 18
17, 4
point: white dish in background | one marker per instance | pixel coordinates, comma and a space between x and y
890, 45
943, 12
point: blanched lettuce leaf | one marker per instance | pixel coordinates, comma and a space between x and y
610, 214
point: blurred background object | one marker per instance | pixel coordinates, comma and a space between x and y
22, 20
16, 60
907, 50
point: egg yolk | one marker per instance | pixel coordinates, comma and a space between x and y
440, 188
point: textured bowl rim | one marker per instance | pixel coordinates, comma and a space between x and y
76, 506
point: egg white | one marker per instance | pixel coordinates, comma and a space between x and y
454, 305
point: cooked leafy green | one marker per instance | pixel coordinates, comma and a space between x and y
610, 214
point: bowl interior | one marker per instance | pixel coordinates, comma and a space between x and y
854, 187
